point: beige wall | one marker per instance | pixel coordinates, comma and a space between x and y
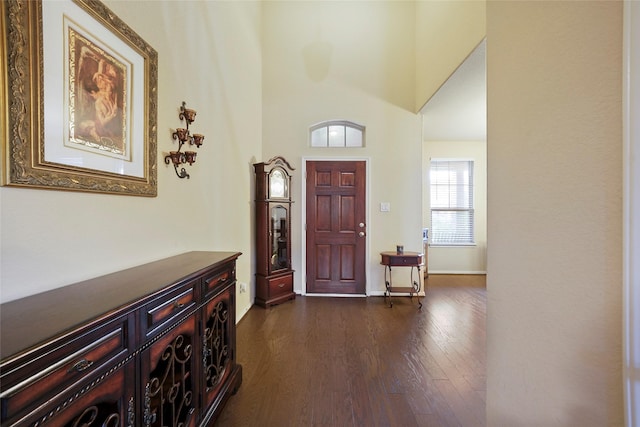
457, 27
554, 213
209, 56
353, 61
460, 259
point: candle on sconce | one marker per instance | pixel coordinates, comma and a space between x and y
189, 114
182, 134
190, 156
198, 139
176, 157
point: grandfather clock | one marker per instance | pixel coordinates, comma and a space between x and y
274, 276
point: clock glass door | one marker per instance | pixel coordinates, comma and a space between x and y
279, 238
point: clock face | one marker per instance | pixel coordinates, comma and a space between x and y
278, 184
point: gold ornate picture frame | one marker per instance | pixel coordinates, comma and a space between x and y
79, 89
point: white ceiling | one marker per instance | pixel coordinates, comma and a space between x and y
458, 110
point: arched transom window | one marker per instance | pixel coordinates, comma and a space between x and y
337, 133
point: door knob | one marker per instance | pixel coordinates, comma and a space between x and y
361, 225
361, 234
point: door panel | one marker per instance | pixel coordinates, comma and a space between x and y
336, 231
347, 262
323, 214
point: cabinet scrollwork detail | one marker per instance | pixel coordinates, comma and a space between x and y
131, 413
169, 392
216, 345
102, 415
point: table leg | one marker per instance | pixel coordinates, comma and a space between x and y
388, 284
416, 286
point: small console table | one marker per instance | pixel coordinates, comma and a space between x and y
405, 259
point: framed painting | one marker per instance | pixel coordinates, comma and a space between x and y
80, 93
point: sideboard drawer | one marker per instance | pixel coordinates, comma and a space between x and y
280, 285
67, 364
218, 278
169, 306
113, 392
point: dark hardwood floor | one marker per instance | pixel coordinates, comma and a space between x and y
319, 361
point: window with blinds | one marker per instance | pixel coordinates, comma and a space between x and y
451, 185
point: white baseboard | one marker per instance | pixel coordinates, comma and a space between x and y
333, 295
455, 272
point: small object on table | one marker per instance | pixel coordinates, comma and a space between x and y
404, 259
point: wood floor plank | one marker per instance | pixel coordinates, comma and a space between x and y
318, 361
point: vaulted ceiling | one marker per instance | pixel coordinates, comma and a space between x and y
458, 110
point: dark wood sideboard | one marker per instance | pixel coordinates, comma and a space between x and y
153, 345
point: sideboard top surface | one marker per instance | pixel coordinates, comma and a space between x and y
28, 321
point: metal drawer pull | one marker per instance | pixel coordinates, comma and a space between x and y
281, 285
81, 365
177, 305
217, 280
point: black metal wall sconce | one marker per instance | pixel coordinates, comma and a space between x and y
182, 135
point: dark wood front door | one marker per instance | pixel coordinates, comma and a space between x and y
336, 227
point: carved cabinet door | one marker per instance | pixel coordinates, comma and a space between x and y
169, 378
218, 342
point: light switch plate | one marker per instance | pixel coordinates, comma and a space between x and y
385, 207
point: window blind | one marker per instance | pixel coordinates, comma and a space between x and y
452, 214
